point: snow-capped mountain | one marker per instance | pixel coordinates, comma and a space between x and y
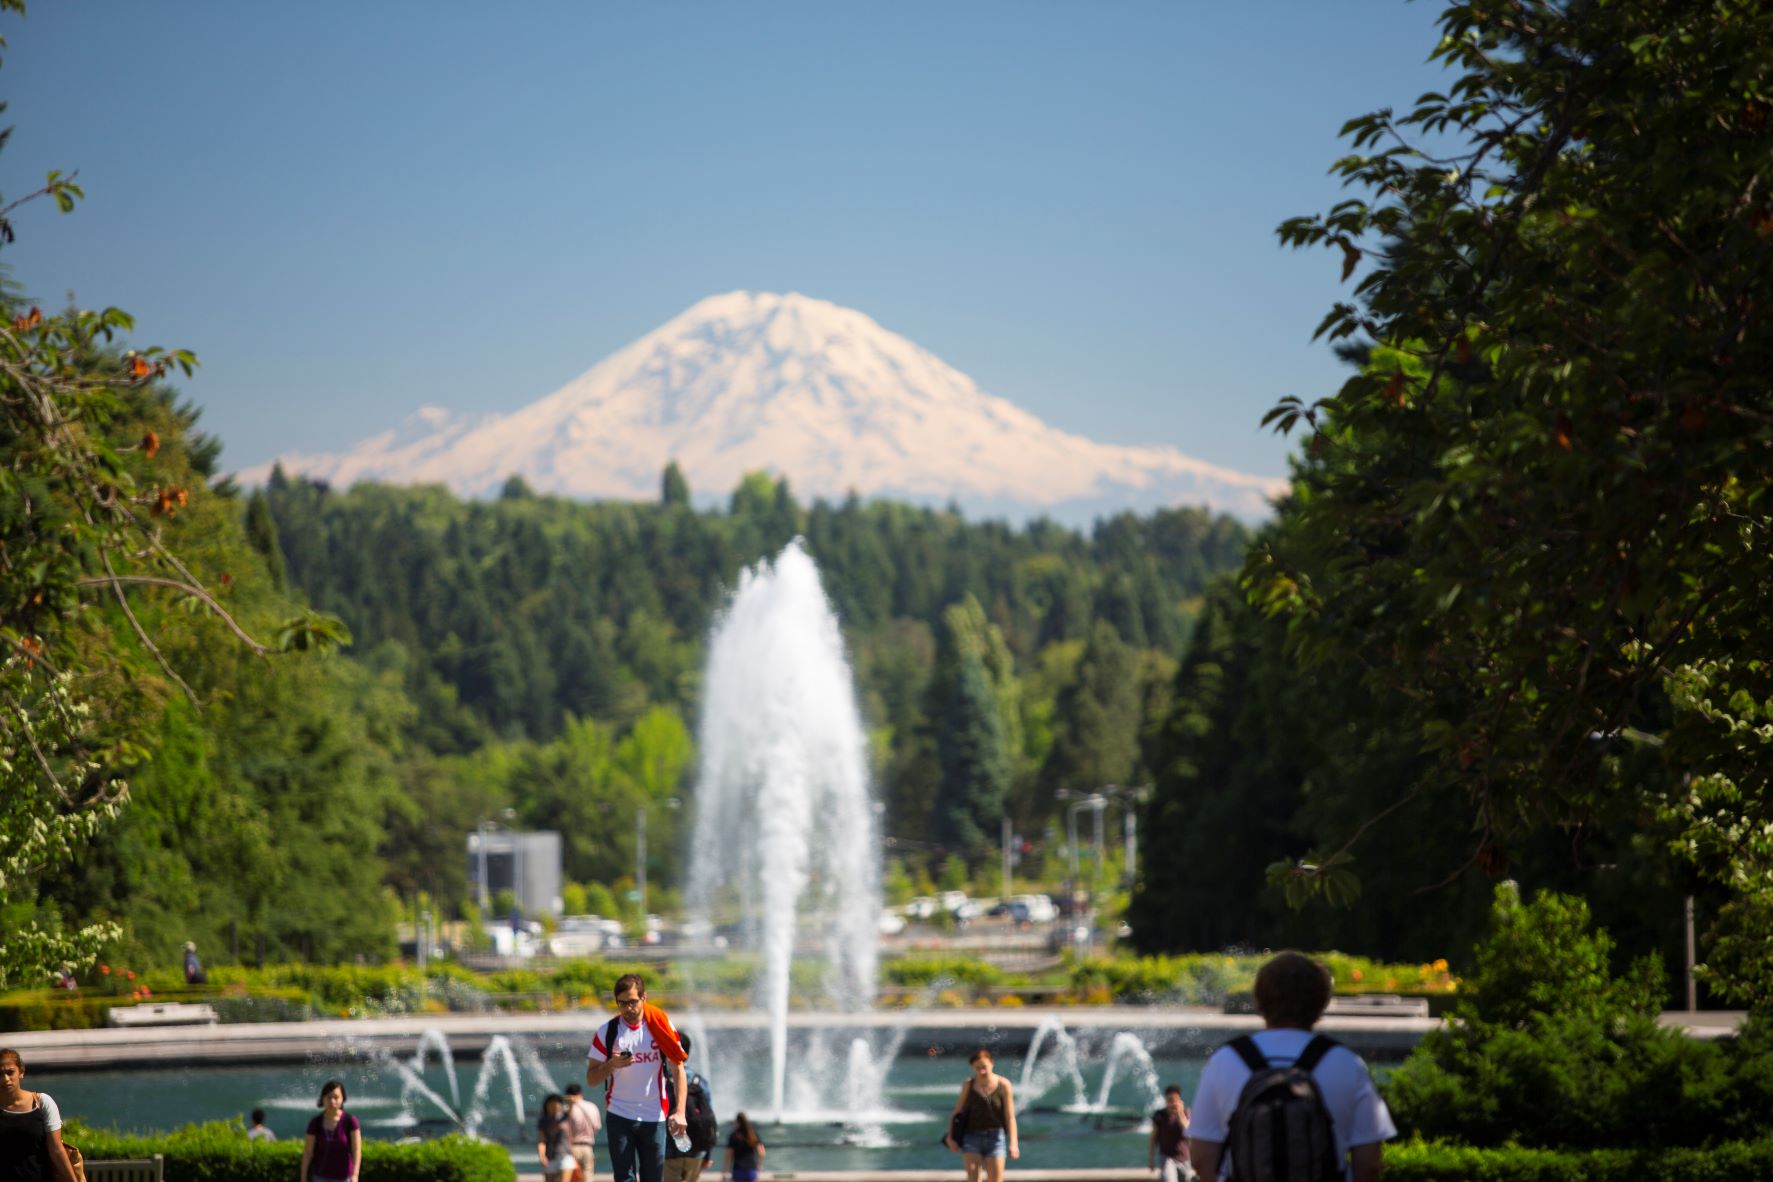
804, 388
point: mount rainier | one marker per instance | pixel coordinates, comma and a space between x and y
804, 388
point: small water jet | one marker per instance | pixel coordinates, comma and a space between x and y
1037, 1081
411, 1082
498, 1054
433, 1038
1128, 1048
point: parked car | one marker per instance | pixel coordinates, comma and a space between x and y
1014, 910
952, 901
921, 908
891, 923
1041, 908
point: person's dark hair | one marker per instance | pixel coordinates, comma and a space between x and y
328, 1086
746, 1132
981, 1053
573, 1089
258, 1116
1292, 989
552, 1098
8, 1053
1172, 1090
683, 1040
627, 979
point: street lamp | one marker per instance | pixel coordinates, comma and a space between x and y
1130, 798
1095, 802
482, 828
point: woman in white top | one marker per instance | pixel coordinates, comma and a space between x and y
31, 1147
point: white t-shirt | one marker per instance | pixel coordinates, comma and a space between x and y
1357, 1114
637, 1091
52, 1115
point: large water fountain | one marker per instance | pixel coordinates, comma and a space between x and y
785, 828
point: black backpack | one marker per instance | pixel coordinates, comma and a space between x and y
1280, 1130
698, 1114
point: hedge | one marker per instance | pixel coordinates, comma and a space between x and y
220, 1152
1417, 1161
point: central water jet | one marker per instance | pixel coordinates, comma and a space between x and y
784, 820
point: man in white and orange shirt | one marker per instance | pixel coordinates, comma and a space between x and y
629, 1056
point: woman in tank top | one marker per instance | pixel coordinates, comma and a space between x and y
30, 1129
990, 1107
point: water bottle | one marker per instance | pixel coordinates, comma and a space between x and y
681, 1140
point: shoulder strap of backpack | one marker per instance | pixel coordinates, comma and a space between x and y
609, 1038
1245, 1046
1314, 1052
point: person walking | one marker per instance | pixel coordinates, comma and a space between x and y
629, 1057
332, 1151
194, 974
582, 1122
31, 1148
744, 1151
990, 1107
1169, 1139
1307, 1079
686, 1165
554, 1143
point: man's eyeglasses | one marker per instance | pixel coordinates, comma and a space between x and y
629, 1001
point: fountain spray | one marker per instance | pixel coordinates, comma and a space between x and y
784, 821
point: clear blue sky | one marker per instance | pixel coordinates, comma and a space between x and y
352, 209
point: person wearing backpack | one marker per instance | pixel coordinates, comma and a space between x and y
1285, 1104
630, 1057
685, 1165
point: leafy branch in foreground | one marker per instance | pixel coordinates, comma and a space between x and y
81, 527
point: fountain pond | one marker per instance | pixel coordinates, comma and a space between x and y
1083, 1099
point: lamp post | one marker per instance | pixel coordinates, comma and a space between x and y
481, 829
1130, 797
1080, 801
640, 859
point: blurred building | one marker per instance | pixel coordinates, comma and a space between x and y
526, 864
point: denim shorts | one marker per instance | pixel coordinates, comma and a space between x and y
989, 1143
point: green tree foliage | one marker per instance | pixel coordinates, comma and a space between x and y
97, 593
974, 757
1096, 739
1258, 760
507, 617
1539, 514
1548, 1047
673, 487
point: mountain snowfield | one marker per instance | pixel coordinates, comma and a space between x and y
805, 389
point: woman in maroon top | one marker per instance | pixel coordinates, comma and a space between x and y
1169, 1138
334, 1146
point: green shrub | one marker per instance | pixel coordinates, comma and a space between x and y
220, 1152
1420, 1161
1548, 1047
921, 971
